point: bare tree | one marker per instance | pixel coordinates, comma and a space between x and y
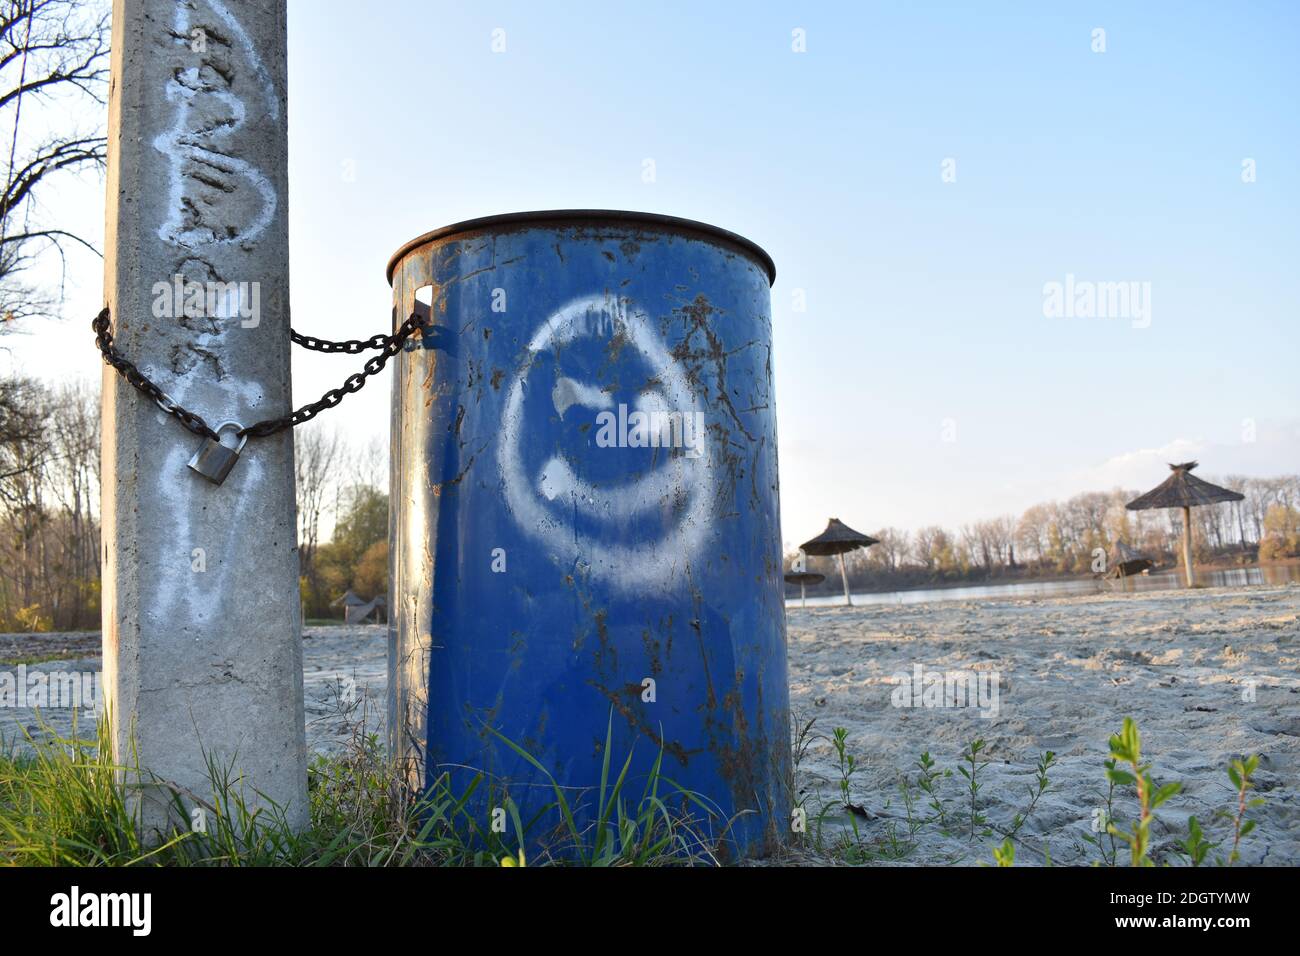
1031, 532
24, 458
74, 428
49, 494
889, 551
53, 62
1004, 535
21, 424
316, 455
369, 465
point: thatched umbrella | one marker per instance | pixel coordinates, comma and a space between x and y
1184, 490
838, 538
348, 599
1128, 562
803, 579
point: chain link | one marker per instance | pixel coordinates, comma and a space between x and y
350, 346
389, 345
104, 340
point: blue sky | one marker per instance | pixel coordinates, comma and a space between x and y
924, 317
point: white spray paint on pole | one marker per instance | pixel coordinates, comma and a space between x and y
201, 658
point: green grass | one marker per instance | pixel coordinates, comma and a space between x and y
63, 802
930, 809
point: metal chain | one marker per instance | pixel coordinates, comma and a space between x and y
389, 345
351, 346
104, 340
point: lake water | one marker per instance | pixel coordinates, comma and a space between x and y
1157, 581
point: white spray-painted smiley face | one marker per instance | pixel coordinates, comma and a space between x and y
546, 500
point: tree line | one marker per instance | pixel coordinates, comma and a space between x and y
342, 491
50, 544
1065, 538
51, 551
53, 72
49, 505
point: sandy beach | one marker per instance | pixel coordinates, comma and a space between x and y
1207, 674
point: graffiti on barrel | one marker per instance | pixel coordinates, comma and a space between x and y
585, 500
669, 416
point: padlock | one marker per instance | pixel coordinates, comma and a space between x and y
214, 460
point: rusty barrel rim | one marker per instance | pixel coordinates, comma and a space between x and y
542, 217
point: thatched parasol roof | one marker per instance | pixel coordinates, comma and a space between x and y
1128, 561
804, 577
348, 599
838, 538
1182, 489
1124, 553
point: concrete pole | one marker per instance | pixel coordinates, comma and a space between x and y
1187, 546
844, 576
202, 627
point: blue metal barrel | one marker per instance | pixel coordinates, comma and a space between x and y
585, 521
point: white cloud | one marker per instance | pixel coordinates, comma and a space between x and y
1146, 466
1275, 450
